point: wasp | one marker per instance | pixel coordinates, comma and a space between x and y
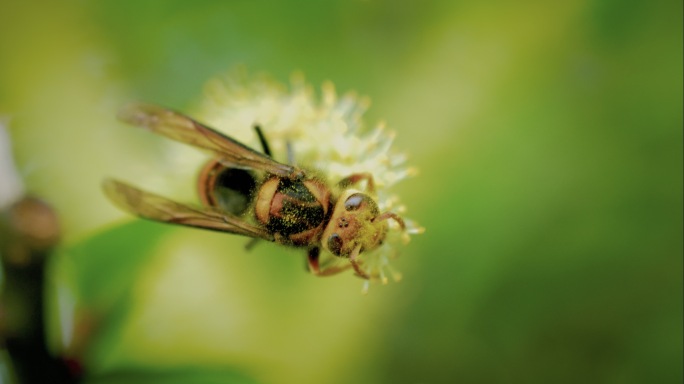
248, 193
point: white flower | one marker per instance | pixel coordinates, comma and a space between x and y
327, 134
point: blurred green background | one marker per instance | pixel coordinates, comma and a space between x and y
549, 140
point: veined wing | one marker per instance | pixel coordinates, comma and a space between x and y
154, 207
182, 128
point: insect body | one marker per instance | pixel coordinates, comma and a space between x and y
288, 205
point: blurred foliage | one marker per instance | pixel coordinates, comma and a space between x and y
549, 139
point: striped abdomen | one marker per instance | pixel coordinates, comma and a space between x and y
294, 210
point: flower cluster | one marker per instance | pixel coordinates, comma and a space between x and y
325, 134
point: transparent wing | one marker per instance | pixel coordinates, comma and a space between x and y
154, 207
186, 130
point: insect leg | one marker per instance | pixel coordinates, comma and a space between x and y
312, 258
317, 269
262, 140
355, 178
251, 243
267, 149
393, 216
290, 153
355, 263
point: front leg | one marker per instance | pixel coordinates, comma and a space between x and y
354, 261
355, 178
313, 258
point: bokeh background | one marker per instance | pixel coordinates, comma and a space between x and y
549, 140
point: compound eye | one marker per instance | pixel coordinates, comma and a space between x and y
360, 200
335, 244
